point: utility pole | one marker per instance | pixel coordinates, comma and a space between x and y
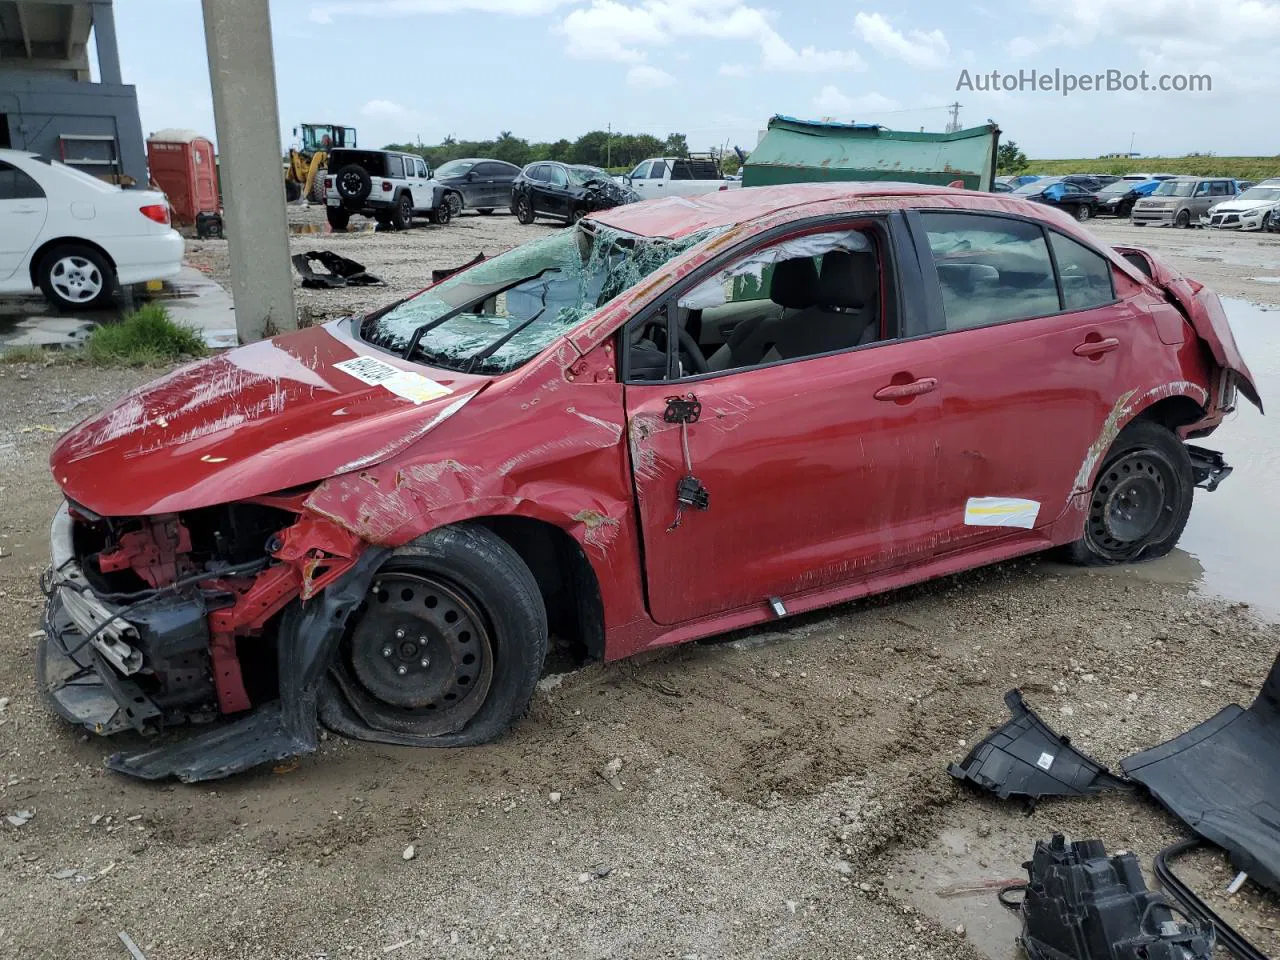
243, 75
608, 147
954, 125
1131, 138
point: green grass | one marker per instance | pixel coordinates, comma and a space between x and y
1238, 168
144, 338
27, 354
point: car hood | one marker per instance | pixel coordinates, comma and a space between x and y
268, 416
1243, 206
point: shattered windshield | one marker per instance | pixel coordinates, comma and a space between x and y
584, 175
501, 313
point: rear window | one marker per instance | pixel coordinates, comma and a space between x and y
374, 163
16, 185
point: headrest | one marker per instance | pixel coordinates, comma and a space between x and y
848, 279
795, 283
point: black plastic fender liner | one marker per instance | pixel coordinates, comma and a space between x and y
307, 644
1026, 758
1222, 778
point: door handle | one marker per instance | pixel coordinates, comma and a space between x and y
1096, 348
904, 391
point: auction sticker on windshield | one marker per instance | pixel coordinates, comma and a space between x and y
403, 383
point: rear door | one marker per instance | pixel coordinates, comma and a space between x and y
23, 210
557, 191
819, 470
1034, 360
487, 185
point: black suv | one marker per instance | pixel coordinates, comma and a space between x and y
483, 185
391, 187
565, 192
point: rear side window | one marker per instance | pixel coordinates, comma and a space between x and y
991, 269
537, 172
17, 185
491, 170
1086, 276
395, 166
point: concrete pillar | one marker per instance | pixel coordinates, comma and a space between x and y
104, 36
243, 75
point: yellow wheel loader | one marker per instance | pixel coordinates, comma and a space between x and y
304, 168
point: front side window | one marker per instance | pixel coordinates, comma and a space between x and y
641, 172
501, 313
659, 170
991, 269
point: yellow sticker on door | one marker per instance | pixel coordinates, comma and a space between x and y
1001, 512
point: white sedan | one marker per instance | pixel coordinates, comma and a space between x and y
75, 237
1255, 209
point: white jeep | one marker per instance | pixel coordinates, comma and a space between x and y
390, 187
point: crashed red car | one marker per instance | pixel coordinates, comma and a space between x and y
675, 419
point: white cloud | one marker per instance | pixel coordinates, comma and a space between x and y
732, 70
831, 102
646, 77
613, 30
325, 12
384, 108
917, 48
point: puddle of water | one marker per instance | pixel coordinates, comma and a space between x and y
298, 229
1266, 279
1233, 532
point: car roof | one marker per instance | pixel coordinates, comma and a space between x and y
8, 152
679, 216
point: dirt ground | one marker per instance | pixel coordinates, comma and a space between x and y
783, 791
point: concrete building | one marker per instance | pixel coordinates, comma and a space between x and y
48, 103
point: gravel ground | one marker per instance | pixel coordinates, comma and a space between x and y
782, 791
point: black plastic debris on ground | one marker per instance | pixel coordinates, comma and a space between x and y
1222, 779
1080, 904
445, 272
1025, 758
340, 271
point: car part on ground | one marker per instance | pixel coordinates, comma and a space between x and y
1222, 778
339, 271
1025, 758
1080, 904
1230, 938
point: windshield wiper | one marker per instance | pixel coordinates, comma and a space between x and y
501, 342
417, 335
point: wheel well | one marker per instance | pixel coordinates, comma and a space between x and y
575, 611
45, 247
1173, 412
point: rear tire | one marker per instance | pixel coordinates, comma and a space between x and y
75, 277
524, 211
292, 191
1083, 212
1141, 498
449, 643
442, 214
402, 212
337, 217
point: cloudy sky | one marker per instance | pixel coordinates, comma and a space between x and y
716, 70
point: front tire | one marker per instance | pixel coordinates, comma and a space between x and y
449, 643
76, 277
1141, 498
524, 211
444, 213
1183, 219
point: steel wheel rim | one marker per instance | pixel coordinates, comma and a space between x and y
408, 620
76, 279
1131, 506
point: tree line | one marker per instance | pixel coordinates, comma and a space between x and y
599, 148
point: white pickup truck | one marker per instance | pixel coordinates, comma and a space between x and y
677, 176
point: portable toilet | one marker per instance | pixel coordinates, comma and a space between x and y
183, 165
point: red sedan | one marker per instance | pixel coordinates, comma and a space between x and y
675, 419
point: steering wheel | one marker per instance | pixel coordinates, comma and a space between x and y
691, 355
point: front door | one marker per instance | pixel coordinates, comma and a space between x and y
23, 209
814, 437
1028, 376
